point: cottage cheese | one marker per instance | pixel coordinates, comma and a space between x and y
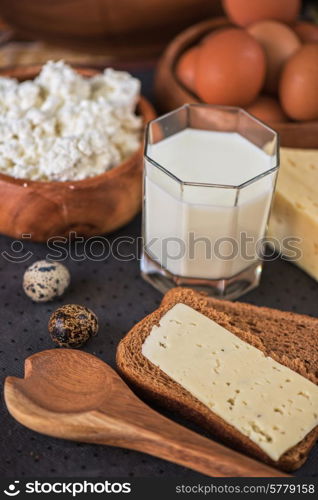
61, 126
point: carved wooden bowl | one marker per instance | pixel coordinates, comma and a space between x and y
88, 207
120, 28
171, 93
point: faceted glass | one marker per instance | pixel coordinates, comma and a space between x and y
204, 227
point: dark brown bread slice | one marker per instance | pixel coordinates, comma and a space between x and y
264, 328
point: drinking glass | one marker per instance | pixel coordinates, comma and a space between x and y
203, 235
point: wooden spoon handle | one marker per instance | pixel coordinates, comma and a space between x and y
156, 435
207, 456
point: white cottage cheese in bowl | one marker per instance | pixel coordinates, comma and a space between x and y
64, 127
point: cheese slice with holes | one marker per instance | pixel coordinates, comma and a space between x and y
264, 400
295, 208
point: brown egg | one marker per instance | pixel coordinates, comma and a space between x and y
279, 43
186, 67
307, 32
245, 12
212, 33
230, 68
298, 88
267, 109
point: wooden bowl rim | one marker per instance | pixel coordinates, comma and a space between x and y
146, 110
189, 37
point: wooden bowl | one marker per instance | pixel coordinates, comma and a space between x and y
89, 207
121, 27
171, 93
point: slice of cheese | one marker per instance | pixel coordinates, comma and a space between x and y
295, 208
264, 400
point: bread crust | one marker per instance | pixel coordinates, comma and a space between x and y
154, 384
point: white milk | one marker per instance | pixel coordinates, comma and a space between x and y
176, 215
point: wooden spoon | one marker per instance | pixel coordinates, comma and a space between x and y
73, 395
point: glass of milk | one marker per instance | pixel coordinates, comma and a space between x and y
209, 178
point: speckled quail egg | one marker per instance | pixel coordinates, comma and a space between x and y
44, 281
72, 325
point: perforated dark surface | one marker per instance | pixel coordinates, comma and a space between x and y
120, 298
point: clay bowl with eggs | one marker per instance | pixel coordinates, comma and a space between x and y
89, 207
171, 93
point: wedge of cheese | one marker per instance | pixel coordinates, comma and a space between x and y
295, 209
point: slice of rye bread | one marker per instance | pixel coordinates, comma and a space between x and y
291, 339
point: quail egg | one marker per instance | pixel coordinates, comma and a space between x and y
44, 281
72, 325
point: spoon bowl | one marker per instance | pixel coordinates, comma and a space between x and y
49, 376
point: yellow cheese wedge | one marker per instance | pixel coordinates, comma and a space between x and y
295, 208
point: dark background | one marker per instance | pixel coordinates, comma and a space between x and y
120, 298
